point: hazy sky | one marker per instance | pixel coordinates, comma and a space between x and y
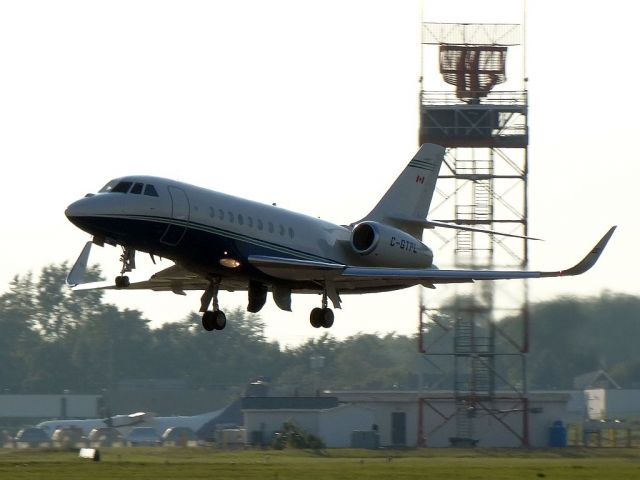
312, 105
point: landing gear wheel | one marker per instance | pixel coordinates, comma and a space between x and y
327, 317
214, 320
220, 320
321, 317
122, 281
316, 318
207, 321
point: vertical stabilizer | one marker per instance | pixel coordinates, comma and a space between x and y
409, 198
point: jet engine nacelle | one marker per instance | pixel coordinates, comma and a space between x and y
381, 245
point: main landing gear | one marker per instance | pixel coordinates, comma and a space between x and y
128, 260
322, 317
212, 319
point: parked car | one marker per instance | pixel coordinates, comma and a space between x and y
5, 438
34, 436
67, 436
105, 436
179, 436
143, 436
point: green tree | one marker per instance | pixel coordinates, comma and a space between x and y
58, 310
18, 340
111, 346
228, 357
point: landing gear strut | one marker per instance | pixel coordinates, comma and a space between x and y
322, 317
128, 260
212, 319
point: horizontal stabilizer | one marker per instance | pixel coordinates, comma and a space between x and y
429, 224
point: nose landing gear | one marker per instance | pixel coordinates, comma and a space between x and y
122, 281
128, 260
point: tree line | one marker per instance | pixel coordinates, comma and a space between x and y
52, 339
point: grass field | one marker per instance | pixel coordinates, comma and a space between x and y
454, 464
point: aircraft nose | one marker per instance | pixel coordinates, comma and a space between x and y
76, 209
80, 208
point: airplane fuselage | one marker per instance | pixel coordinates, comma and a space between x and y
213, 233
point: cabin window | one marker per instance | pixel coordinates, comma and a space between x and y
230, 215
221, 214
150, 191
212, 212
137, 188
250, 222
270, 227
122, 187
291, 233
281, 230
260, 226
240, 219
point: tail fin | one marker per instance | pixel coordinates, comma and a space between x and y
409, 198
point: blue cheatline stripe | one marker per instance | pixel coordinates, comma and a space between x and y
226, 233
421, 164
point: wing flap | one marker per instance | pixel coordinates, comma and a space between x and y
432, 275
295, 269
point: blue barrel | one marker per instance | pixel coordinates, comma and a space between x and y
558, 435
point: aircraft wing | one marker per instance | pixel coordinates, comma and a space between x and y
343, 277
173, 279
353, 275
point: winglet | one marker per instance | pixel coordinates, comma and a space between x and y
587, 262
76, 275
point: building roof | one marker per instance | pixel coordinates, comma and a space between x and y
595, 379
288, 403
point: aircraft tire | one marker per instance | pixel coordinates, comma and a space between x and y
316, 317
220, 320
208, 322
122, 281
327, 317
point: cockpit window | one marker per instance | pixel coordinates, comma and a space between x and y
108, 187
122, 187
116, 186
150, 190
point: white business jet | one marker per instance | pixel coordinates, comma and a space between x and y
219, 241
124, 423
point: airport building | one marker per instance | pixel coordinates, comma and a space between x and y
387, 419
64, 405
393, 417
324, 417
